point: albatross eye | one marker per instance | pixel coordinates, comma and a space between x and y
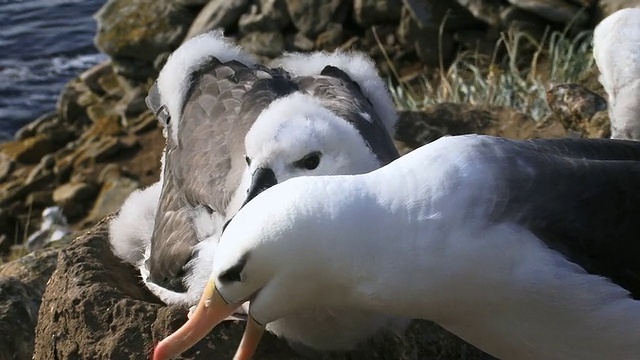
247, 160
234, 273
309, 161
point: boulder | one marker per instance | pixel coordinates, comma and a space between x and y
559, 11
29, 150
416, 128
18, 316
376, 12
608, 7
134, 33
74, 198
267, 44
311, 17
95, 307
217, 14
270, 15
22, 283
7, 164
114, 191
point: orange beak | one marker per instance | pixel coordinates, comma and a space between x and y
211, 310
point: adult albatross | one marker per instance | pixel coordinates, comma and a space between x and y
616, 49
234, 128
526, 249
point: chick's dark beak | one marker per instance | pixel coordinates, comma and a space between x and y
261, 180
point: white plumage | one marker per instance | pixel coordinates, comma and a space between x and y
616, 49
344, 116
526, 249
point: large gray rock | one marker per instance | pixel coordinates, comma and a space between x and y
22, 283
217, 14
134, 33
311, 17
434, 14
608, 7
376, 12
559, 11
267, 15
269, 44
74, 198
18, 315
487, 11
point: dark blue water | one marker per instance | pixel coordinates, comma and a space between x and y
43, 44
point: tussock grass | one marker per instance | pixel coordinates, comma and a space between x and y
518, 79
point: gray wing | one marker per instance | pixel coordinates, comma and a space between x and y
339, 93
205, 167
579, 196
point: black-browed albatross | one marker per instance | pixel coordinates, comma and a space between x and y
526, 249
235, 128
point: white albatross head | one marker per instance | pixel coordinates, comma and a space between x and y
297, 136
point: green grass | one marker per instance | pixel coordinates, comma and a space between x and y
518, 80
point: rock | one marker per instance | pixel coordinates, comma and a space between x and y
67, 106
40, 199
559, 11
95, 307
9, 230
299, 42
110, 84
13, 190
431, 14
194, 3
114, 191
91, 77
29, 150
7, 164
576, 107
44, 167
139, 30
516, 20
217, 14
424, 38
271, 15
434, 47
133, 71
19, 305
145, 123
311, 17
416, 128
133, 102
376, 12
268, 44
330, 38
487, 11
31, 129
608, 7
73, 198
33, 269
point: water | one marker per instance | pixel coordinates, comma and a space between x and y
43, 44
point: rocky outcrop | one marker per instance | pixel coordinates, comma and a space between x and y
22, 283
97, 147
139, 35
